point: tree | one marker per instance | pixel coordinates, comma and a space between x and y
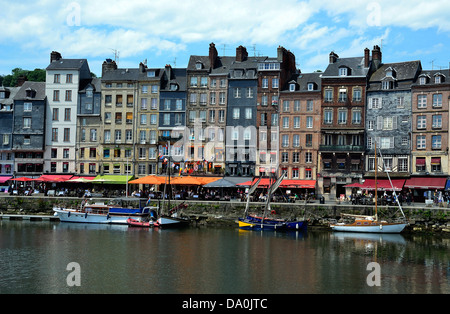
10, 80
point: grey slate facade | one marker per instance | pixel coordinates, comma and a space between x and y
7, 95
28, 138
389, 118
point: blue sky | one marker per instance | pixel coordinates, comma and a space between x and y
164, 32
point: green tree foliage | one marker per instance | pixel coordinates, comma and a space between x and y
10, 80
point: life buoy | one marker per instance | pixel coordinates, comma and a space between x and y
273, 212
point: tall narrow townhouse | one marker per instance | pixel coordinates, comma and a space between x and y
7, 95
388, 121
300, 103
119, 93
147, 119
273, 74
88, 152
341, 152
63, 77
206, 110
241, 132
172, 110
430, 127
28, 142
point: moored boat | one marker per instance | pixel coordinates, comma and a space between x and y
100, 213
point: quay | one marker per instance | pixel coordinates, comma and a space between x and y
434, 218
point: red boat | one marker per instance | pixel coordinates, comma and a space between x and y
143, 224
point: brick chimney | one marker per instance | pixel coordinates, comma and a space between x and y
108, 65
376, 56
333, 57
21, 79
168, 70
212, 55
55, 56
241, 54
366, 57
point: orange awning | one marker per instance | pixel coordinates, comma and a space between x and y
152, 179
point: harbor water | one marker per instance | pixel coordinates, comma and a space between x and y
52, 257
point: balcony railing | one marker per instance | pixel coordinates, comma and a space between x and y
341, 148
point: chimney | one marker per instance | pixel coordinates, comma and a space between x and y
241, 54
142, 67
108, 65
212, 55
366, 57
55, 56
333, 57
21, 79
376, 56
168, 70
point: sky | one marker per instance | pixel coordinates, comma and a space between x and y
169, 32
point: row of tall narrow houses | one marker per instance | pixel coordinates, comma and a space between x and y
234, 115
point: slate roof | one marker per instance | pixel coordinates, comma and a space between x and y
304, 78
96, 82
67, 64
356, 65
121, 74
12, 93
179, 77
404, 74
39, 87
430, 74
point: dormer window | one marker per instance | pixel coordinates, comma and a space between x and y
292, 87
198, 65
438, 78
89, 92
173, 87
387, 85
151, 73
310, 86
343, 71
390, 72
31, 93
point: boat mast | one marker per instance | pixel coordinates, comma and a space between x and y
376, 194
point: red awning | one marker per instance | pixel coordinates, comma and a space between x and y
301, 184
382, 184
425, 183
54, 177
4, 179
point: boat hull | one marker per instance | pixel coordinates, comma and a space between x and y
66, 215
172, 222
377, 228
251, 222
246, 224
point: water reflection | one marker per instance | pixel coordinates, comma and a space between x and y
118, 259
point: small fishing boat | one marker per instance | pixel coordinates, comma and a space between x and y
253, 222
141, 224
100, 213
372, 224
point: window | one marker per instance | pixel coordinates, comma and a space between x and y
285, 105
328, 116
296, 140
275, 83
249, 92
69, 78
27, 106
437, 121
193, 81
310, 86
420, 164
402, 164
375, 103
421, 101
118, 136
308, 157
295, 172
422, 80
437, 100
204, 81
342, 116
296, 105
309, 139
54, 134
357, 94
237, 92
292, 87
26, 123
285, 140
420, 142
57, 78
309, 122
68, 95
421, 122
328, 95
236, 113
56, 95
265, 83
309, 105
342, 95
387, 142
295, 157
285, 122
436, 142
67, 114
66, 135
296, 122
343, 71
248, 113
356, 117
55, 114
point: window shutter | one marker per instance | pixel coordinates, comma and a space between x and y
379, 123
394, 122
392, 142
370, 103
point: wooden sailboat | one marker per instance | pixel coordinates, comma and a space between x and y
372, 224
253, 222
